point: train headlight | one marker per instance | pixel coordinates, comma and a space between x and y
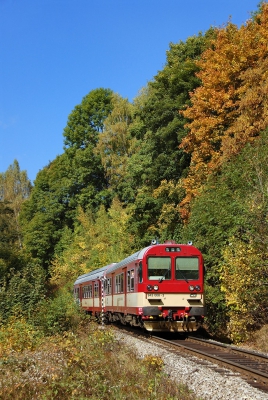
156, 287
191, 287
149, 287
198, 288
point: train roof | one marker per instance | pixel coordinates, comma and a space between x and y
134, 257
96, 274
100, 272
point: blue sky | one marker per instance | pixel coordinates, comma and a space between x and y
54, 52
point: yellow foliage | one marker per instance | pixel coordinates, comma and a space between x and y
240, 275
171, 193
229, 109
17, 335
96, 242
153, 362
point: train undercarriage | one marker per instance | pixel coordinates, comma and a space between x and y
153, 323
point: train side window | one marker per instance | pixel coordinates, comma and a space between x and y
122, 283
130, 280
76, 296
119, 283
87, 291
187, 268
107, 286
76, 293
96, 289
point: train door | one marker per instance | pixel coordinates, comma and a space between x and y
96, 294
131, 287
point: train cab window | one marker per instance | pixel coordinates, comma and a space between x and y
159, 268
130, 280
96, 289
119, 283
187, 268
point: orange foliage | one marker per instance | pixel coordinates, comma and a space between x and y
230, 107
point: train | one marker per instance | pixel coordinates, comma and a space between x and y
159, 288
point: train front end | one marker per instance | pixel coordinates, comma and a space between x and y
172, 282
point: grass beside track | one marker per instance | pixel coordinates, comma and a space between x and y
88, 364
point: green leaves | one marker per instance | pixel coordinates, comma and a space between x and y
87, 119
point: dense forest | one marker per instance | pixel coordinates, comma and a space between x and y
186, 160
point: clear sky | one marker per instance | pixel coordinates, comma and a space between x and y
54, 52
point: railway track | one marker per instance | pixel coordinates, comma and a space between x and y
252, 366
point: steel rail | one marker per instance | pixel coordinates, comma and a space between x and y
242, 366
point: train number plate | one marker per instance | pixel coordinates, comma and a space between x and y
155, 295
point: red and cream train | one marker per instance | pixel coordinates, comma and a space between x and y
159, 288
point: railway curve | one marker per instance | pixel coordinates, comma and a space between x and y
252, 366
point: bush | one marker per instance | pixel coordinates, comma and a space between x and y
17, 335
58, 315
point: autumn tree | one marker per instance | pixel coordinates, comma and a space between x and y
229, 108
244, 280
97, 240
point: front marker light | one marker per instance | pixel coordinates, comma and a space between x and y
156, 287
149, 287
198, 288
191, 287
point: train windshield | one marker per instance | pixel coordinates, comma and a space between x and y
187, 268
159, 268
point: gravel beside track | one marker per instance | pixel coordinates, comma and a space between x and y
203, 379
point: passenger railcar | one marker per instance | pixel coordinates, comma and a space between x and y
159, 288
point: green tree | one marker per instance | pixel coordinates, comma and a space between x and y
8, 240
75, 178
158, 127
25, 290
15, 188
48, 210
115, 146
231, 215
82, 132
163, 124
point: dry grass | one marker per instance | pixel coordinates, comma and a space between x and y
258, 340
91, 364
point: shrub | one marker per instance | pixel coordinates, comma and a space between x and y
58, 315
